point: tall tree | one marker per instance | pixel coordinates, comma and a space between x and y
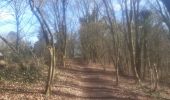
19, 7
49, 38
130, 18
111, 19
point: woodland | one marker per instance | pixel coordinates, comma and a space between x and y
85, 50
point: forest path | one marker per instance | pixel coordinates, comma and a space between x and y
88, 82
79, 82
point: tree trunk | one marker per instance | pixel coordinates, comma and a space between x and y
117, 71
50, 71
155, 77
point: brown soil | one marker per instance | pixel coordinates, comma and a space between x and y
83, 82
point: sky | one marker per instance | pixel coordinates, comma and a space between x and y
6, 19
7, 22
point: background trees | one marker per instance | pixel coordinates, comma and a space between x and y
133, 38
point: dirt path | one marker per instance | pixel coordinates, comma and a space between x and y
78, 82
93, 83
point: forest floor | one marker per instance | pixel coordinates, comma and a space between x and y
83, 82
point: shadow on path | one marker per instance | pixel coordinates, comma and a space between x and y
93, 83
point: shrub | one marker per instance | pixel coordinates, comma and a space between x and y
25, 73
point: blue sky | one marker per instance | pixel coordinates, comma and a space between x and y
31, 26
7, 23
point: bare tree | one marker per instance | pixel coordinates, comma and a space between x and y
18, 8
115, 38
131, 14
37, 11
63, 30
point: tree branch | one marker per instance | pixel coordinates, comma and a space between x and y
9, 44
